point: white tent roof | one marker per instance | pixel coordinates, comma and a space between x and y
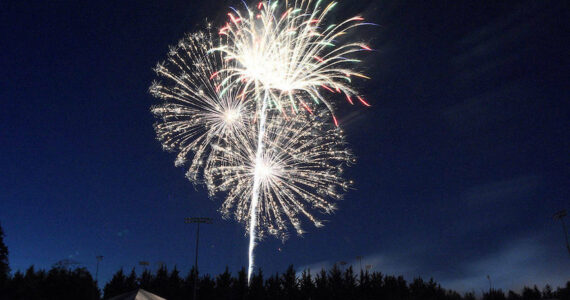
139, 294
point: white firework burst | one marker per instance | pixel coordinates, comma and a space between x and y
193, 113
300, 172
290, 53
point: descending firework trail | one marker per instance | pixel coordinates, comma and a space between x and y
287, 55
256, 184
297, 173
193, 113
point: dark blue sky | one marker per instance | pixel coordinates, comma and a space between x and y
462, 160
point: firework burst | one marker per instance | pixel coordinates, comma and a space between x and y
233, 110
300, 172
193, 113
289, 53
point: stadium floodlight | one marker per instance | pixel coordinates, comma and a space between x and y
200, 220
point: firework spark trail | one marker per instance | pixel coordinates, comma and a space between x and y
256, 184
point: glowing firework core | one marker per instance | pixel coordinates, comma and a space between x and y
230, 116
265, 170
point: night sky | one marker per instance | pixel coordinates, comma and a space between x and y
462, 159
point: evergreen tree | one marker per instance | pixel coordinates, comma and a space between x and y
547, 292
469, 296
131, 281
224, 285
207, 285
145, 281
364, 286
377, 289
349, 284
159, 284
64, 284
493, 294
4, 266
513, 296
335, 283
322, 285
117, 285
175, 285
563, 293
239, 285
531, 294
273, 287
189, 284
289, 284
256, 289
306, 285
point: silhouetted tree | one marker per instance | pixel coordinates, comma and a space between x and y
377, 289
335, 282
493, 294
396, 287
159, 284
531, 294
4, 266
349, 284
256, 289
117, 285
273, 287
175, 283
452, 295
189, 284
66, 284
145, 280
511, 295
469, 296
289, 284
224, 285
239, 285
306, 285
321, 285
131, 282
547, 292
207, 285
563, 293
61, 283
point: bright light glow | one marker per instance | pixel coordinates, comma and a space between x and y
231, 116
264, 170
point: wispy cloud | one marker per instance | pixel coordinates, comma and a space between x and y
387, 264
518, 263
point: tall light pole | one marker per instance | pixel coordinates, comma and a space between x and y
559, 215
99, 258
197, 221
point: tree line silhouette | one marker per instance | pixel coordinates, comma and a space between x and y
62, 283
